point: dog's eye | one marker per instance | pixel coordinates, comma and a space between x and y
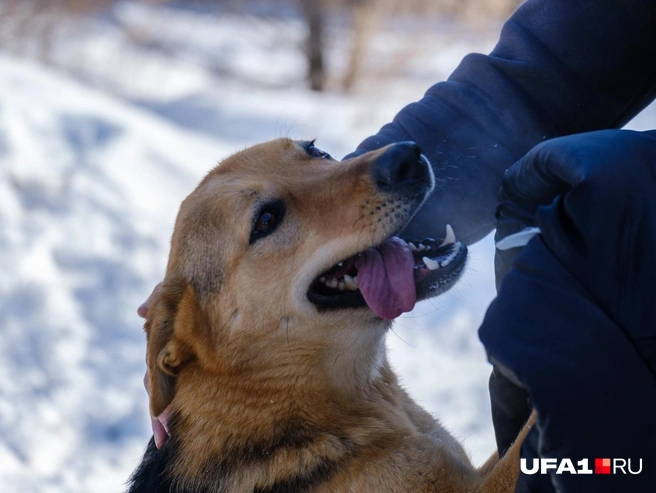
267, 220
314, 151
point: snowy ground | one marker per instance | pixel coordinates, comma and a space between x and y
96, 152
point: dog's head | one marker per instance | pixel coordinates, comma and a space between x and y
283, 253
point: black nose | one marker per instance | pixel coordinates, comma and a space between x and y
401, 165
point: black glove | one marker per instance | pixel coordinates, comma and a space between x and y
574, 323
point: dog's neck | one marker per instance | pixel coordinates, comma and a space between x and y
245, 426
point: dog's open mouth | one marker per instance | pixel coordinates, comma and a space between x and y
392, 276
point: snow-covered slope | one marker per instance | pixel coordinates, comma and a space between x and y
88, 190
91, 176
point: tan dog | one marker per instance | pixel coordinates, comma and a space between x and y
267, 337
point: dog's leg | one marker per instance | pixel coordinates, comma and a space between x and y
500, 476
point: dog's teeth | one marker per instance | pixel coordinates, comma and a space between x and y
341, 285
430, 263
355, 281
341, 264
322, 279
332, 283
422, 247
412, 246
452, 256
350, 283
450, 236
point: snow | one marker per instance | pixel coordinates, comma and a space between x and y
98, 148
89, 189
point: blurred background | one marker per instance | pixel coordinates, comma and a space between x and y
110, 113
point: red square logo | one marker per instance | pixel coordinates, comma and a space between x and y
602, 466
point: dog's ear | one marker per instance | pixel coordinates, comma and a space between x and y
167, 353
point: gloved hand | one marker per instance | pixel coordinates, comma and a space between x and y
574, 323
607, 161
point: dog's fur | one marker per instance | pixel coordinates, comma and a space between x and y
267, 393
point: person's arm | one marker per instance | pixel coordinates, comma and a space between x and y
560, 67
574, 322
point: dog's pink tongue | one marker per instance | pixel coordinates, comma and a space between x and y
386, 278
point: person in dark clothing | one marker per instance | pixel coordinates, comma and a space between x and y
572, 329
559, 68
573, 322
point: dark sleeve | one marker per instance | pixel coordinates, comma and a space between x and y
560, 67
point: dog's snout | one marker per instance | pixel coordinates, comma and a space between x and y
401, 165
